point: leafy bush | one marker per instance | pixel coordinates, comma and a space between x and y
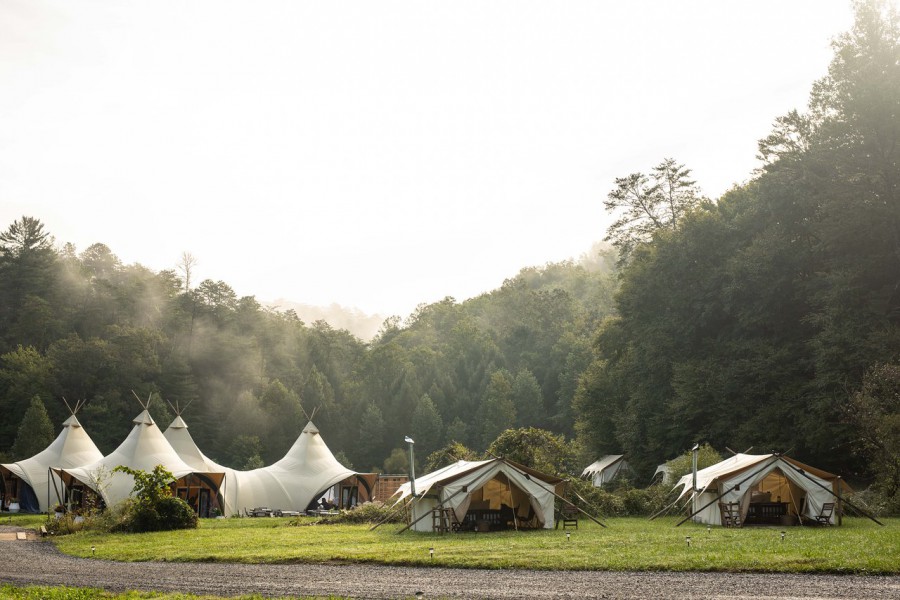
619, 502
153, 507
875, 502
369, 512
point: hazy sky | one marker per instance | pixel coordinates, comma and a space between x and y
379, 154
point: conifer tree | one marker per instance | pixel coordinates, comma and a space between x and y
35, 431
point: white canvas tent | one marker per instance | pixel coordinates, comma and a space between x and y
485, 484
73, 447
144, 449
662, 474
764, 478
306, 471
606, 469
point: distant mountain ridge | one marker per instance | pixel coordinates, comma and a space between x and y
362, 325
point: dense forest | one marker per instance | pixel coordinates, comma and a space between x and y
754, 320
83, 326
769, 318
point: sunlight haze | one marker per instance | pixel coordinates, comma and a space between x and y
379, 154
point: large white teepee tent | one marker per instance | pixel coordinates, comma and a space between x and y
486, 486
769, 479
73, 447
307, 470
143, 449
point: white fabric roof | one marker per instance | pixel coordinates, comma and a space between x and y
144, 449
454, 485
307, 469
73, 447
604, 463
744, 471
710, 474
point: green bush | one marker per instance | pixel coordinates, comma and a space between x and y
153, 507
369, 512
175, 513
875, 502
619, 502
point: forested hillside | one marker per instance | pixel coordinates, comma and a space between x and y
752, 321
83, 326
769, 318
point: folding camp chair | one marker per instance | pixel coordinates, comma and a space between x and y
568, 516
824, 517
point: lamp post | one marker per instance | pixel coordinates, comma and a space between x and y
412, 466
694, 452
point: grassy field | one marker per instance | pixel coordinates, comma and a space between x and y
859, 546
8, 592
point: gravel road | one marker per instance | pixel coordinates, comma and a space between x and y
40, 563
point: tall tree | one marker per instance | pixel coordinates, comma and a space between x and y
35, 431
497, 413
427, 426
649, 203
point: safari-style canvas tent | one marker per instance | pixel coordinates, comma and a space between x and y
766, 486
606, 469
482, 492
144, 449
31, 479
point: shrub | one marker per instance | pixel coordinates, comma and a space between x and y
369, 512
620, 502
153, 507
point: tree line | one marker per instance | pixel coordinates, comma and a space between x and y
760, 319
769, 318
81, 325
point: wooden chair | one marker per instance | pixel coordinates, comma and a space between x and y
731, 514
443, 520
568, 515
824, 517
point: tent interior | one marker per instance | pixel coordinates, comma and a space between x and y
199, 490
351, 491
16, 490
499, 504
775, 500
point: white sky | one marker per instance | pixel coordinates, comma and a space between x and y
379, 154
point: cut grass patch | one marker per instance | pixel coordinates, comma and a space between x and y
73, 593
859, 546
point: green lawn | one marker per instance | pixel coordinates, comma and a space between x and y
70, 593
859, 546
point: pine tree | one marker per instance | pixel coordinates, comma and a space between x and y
35, 431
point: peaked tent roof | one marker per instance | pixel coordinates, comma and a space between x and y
144, 449
453, 486
605, 469
307, 469
734, 477
73, 447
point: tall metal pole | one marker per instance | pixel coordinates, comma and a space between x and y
695, 451
412, 466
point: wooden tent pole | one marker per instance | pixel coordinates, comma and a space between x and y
393, 510
666, 509
802, 472
459, 491
528, 477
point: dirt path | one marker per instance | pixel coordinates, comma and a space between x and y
40, 563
